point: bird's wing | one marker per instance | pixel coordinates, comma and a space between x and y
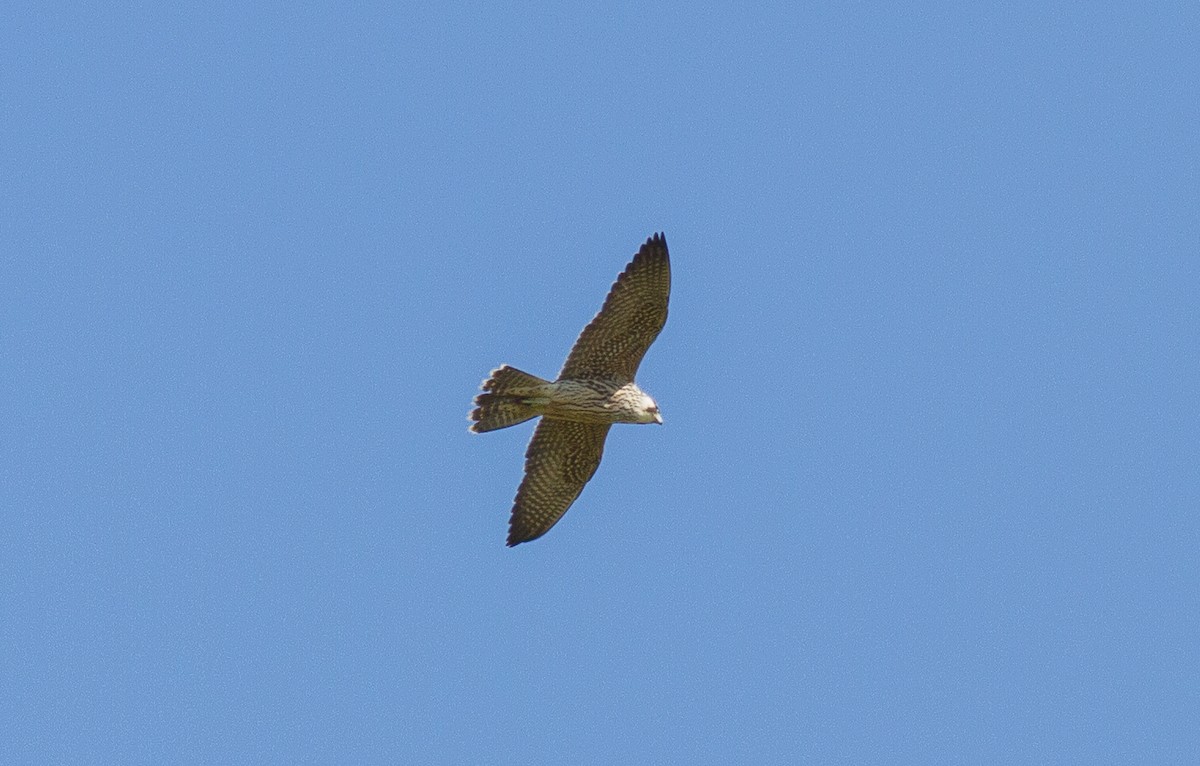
562, 456
614, 342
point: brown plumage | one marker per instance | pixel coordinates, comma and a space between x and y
594, 390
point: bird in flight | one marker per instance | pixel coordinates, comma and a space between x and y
594, 390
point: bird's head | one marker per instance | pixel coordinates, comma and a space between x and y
648, 411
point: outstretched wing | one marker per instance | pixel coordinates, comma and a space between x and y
613, 344
562, 456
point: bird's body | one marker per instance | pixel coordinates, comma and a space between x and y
598, 401
594, 390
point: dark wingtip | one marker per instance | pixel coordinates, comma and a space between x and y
516, 536
655, 247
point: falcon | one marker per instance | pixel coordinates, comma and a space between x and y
594, 390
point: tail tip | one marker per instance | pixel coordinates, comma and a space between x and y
489, 383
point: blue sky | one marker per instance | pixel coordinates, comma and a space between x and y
926, 492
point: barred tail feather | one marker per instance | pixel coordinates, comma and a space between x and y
509, 397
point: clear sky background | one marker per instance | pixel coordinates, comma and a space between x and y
927, 489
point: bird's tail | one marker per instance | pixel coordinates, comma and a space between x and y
509, 397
